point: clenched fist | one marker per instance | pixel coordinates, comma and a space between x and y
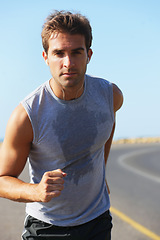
50, 186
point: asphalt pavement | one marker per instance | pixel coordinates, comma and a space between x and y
134, 181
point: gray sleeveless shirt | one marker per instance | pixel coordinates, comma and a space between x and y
70, 135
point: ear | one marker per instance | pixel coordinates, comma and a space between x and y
90, 52
45, 57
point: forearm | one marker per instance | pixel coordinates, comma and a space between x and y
14, 189
108, 145
107, 151
49, 187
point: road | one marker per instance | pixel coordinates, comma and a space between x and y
133, 174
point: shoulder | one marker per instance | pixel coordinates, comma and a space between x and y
97, 80
99, 83
33, 102
35, 94
117, 97
19, 128
109, 88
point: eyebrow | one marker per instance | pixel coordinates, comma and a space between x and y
62, 50
78, 49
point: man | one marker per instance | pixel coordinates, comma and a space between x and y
66, 128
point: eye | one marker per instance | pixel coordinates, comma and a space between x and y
77, 52
59, 54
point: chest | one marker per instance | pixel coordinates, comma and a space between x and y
74, 130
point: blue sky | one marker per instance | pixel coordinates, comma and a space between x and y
126, 46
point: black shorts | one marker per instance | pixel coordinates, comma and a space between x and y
97, 229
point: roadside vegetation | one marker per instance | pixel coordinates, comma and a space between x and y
137, 140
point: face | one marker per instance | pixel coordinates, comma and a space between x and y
67, 59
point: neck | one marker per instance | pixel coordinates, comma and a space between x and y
68, 93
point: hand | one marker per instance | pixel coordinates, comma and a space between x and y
50, 186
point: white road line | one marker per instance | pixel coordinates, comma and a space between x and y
122, 161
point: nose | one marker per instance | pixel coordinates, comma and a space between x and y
68, 61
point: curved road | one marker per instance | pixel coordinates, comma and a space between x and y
133, 174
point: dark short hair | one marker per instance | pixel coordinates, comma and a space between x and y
66, 22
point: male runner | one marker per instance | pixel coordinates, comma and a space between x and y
65, 127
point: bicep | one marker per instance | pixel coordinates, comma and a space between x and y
17, 142
117, 98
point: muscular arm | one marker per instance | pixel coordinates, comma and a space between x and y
13, 156
117, 103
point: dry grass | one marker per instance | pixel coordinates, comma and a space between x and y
137, 140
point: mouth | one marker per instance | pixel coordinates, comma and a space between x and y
69, 75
